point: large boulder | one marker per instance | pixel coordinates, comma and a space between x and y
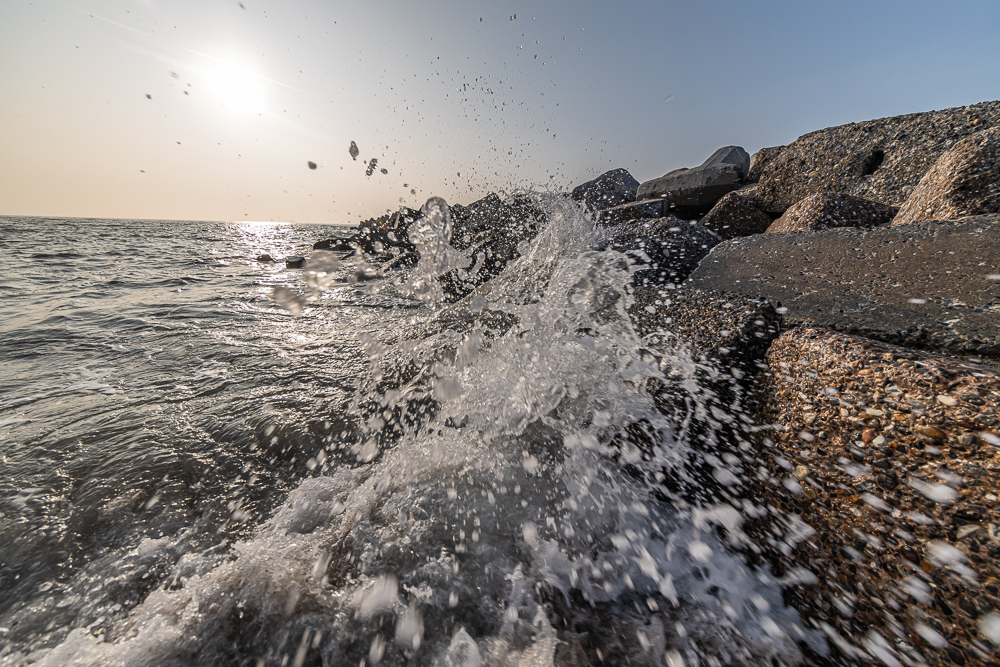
736, 214
880, 160
611, 188
695, 191
964, 181
826, 210
669, 249
927, 284
887, 460
760, 160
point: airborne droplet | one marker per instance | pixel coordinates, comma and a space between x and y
353, 150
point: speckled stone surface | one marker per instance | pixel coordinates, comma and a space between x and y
760, 160
881, 160
931, 285
829, 210
673, 247
879, 477
734, 215
964, 181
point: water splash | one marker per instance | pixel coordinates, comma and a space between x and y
505, 520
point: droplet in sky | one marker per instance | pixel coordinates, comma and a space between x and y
312, 165
353, 150
371, 166
384, 170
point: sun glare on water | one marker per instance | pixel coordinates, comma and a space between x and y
237, 88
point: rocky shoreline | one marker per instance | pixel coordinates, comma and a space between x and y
845, 291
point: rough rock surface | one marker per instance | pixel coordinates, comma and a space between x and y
760, 160
721, 340
489, 232
880, 160
636, 210
611, 188
671, 248
828, 210
734, 215
964, 181
927, 284
695, 191
883, 468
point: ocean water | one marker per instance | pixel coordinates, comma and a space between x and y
211, 460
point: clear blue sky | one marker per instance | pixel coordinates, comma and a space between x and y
453, 98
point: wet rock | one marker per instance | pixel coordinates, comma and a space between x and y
927, 284
295, 262
609, 189
646, 209
904, 559
334, 245
726, 338
736, 214
827, 210
879, 160
695, 191
760, 160
490, 232
729, 331
964, 181
265, 258
670, 248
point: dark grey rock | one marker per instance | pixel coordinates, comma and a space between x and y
880, 160
727, 337
760, 160
736, 214
334, 245
728, 330
646, 209
670, 247
295, 262
609, 189
695, 191
930, 284
265, 258
489, 232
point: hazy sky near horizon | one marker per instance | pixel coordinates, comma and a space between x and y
209, 109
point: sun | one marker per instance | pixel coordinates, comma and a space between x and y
237, 88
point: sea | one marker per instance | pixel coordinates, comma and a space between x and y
206, 459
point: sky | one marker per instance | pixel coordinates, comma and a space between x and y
214, 109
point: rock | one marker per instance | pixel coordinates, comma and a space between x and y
695, 191
760, 160
964, 181
266, 258
879, 160
927, 284
825, 210
646, 209
670, 247
490, 232
730, 331
609, 189
334, 245
401, 261
295, 262
736, 215
914, 565
721, 340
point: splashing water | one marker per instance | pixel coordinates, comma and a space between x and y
489, 510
